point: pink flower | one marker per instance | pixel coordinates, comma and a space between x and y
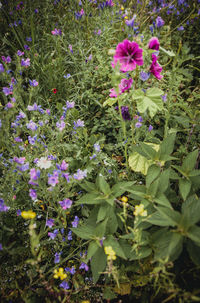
155, 68
129, 55
56, 32
154, 43
124, 85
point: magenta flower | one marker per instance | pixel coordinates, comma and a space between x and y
56, 32
124, 85
154, 43
129, 55
155, 68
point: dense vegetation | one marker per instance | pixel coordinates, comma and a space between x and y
99, 153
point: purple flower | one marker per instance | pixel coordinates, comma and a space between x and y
1, 68
26, 47
131, 21
70, 48
155, 68
50, 222
33, 107
64, 165
53, 234
66, 203
79, 123
67, 76
25, 63
31, 125
129, 55
29, 39
33, 83
60, 125
138, 124
125, 113
24, 167
75, 222
84, 266
53, 180
180, 28
33, 194
150, 128
70, 104
34, 174
19, 53
1, 247
67, 177
64, 285
3, 207
144, 76
19, 160
32, 140
154, 43
159, 22
97, 147
18, 212
56, 32
6, 59
164, 98
81, 174
69, 236
7, 91
57, 257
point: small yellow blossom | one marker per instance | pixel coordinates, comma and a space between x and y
126, 17
122, 8
28, 214
139, 211
59, 274
124, 199
110, 252
85, 301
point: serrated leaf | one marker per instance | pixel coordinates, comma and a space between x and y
157, 219
168, 53
84, 232
102, 213
152, 174
92, 249
171, 215
103, 185
191, 211
100, 230
139, 163
119, 188
148, 150
167, 146
190, 161
161, 199
110, 102
184, 187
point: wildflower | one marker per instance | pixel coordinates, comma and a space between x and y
110, 252
57, 257
154, 43
6, 59
19, 160
70, 48
64, 165
79, 123
138, 125
159, 22
54, 90
124, 199
129, 55
164, 98
44, 163
7, 91
19, 53
1, 68
155, 68
53, 234
75, 222
29, 39
33, 194
150, 128
56, 32
80, 174
3, 207
53, 180
139, 211
125, 113
33, 83
131, 21
66, 203
1, 247
180, 28
25, 63
60, 125
34, 174
59, 274
32, 140
69, 236
84, 266
50, 223
64, 285
28, 214
97, 147
31, 125
67, 76
26, 47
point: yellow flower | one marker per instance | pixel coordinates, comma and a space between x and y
56, 274
110, 252
85, 301
122, 8
139, 211
28, 214
126, 17
124, 199
59, 274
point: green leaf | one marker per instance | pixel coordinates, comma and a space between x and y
171, 215
150, 100
103, 185
161, 199
190, 161
194, 234
164, 180
152, 174
110, 241
167, 145
93, 198
153, 188
102, 213
194, 252
110, 101
175, 245
191, 211
139, 163
184, 187
141, 253
149, 151
108, 294
168, 53
119, 188
84, 232
92, 249
100, 230
88, 186
157, 219
98, 264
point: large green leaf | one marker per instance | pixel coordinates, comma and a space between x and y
93, 198
141, 253
103, 185
92, 249
152, 174
98, 263
139, 163
157, 219
84, 232
184, 187
150, 100
191, 211
194, 252
194, 234
171, 215
190, 161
